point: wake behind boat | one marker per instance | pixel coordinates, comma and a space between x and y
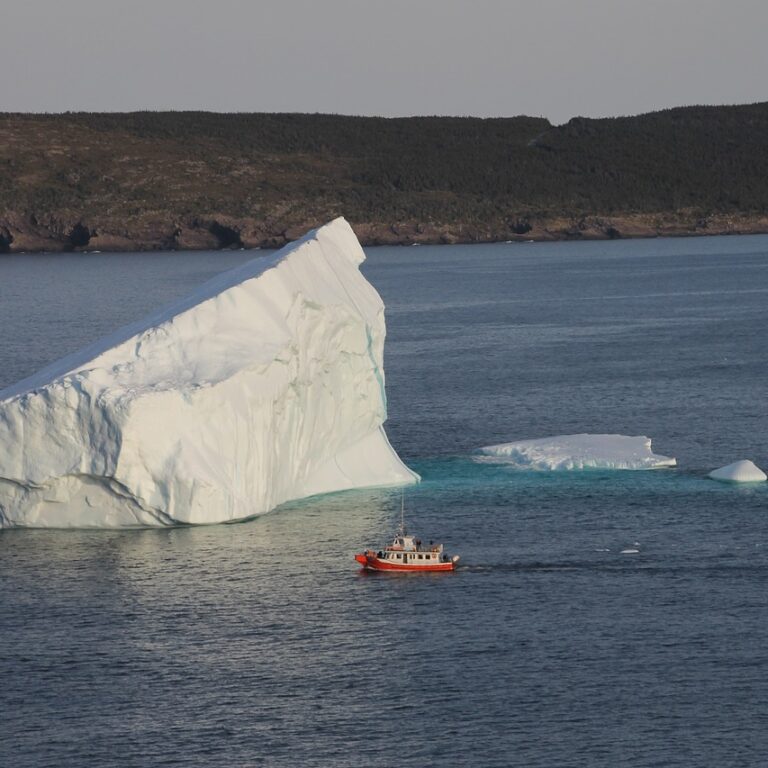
407, 553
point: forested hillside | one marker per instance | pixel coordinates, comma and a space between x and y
196, 180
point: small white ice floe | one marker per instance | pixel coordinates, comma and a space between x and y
568, 452
629, 551
739, 472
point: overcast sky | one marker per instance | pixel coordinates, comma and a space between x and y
556, 58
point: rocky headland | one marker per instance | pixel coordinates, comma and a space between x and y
160, 181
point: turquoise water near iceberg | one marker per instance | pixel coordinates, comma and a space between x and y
261, 644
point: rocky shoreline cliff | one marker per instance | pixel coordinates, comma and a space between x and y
31, 236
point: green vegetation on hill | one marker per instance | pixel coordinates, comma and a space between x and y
196, 179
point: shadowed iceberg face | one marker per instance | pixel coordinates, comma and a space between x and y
266, 385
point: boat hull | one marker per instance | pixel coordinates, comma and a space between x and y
373, 563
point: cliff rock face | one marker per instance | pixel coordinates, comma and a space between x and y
266, 385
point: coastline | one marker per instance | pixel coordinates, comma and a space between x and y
153, 181
68, 233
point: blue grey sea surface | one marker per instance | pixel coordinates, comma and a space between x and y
261, 644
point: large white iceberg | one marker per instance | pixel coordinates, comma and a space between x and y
739, 472
264, 386
577, 452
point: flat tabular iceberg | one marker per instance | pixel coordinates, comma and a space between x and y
264, 386
578, 452
739, 472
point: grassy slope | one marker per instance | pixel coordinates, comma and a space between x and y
203, 179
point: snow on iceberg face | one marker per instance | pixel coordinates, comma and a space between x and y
739, 472
264, 386
577, 452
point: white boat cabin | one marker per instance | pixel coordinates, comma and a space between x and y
409, 549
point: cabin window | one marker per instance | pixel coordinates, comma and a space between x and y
421, 557
398, 555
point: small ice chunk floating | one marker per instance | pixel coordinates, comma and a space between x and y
739, 472
265, 385
568, 452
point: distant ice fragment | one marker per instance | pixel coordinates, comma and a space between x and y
265, 385
739, 472
566, 452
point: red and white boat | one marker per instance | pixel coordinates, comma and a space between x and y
407, 553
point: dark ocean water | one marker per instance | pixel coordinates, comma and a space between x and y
261, 644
